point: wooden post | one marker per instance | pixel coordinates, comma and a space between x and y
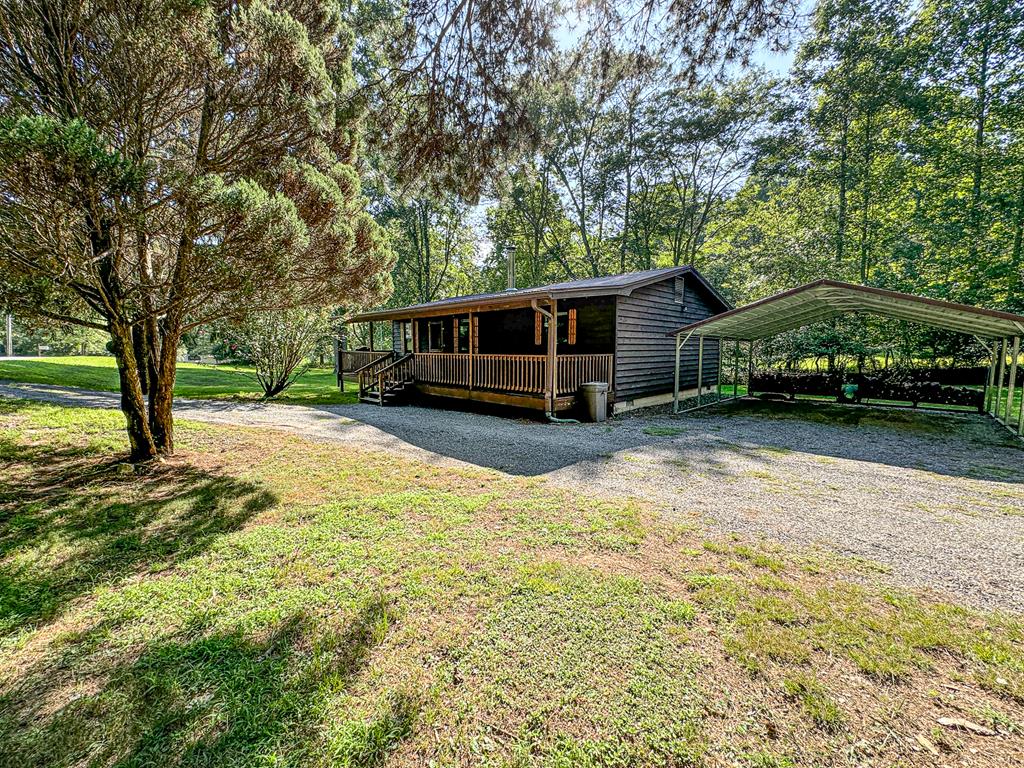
472, 346
999, 377
700, 368
736, 370
371, 336
675, 384
1011, 387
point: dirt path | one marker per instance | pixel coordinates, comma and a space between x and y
936, 499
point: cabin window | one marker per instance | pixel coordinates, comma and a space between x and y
572, 326
539, 322
680, 290
435, 336
463, 335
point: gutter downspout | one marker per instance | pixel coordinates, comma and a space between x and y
548, 413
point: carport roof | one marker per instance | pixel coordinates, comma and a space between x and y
825, 299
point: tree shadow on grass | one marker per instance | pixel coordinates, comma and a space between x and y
216, 698
76, 519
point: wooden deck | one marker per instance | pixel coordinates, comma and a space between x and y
519, 380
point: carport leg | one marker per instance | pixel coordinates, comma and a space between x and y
718, 378
700, 368
1013, 380
999, 377
736, 370
750, 367
987, 401
675, 380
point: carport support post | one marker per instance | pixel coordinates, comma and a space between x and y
750, 367
1013, 380
987, 402
675, 378
999, 377
718, 378
700, 367
736, 369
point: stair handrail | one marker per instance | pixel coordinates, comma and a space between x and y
405, 361
367, 372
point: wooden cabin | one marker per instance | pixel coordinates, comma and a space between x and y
534, 347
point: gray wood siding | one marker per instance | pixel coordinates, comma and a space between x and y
396, 335
644, 355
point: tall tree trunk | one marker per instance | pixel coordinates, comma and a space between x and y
161, 396
844, 146
1017, 252
865, 250
133, 402
980, 117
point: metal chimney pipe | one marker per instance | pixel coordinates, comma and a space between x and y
510, 253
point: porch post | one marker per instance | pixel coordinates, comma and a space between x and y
700, 368
371, 336
675, 385
553, 354
1013, 380
999, 377
472, 345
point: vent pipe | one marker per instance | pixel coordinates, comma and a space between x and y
510, 253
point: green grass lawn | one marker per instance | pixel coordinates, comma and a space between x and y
260, 600
316, 386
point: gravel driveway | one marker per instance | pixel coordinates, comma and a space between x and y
936, 498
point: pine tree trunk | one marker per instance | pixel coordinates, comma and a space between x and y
161, 397
133, 402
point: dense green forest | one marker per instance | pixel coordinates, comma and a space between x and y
891, 153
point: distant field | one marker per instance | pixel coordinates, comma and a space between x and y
316, 387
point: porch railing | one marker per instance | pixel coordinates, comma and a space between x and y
510, 373
574, 370
352, 360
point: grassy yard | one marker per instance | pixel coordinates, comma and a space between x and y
278, 602
315, 387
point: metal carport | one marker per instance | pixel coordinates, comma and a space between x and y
1000, 332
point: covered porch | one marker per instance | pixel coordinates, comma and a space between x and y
534, 354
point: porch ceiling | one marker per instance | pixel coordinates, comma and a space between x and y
826, 299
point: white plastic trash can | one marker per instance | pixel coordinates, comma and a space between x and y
596, 395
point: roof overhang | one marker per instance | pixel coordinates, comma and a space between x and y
825, 299
524, 298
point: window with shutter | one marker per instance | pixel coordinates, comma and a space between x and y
572, 326
538, 328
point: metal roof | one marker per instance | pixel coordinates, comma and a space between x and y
825, 299
610, 285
